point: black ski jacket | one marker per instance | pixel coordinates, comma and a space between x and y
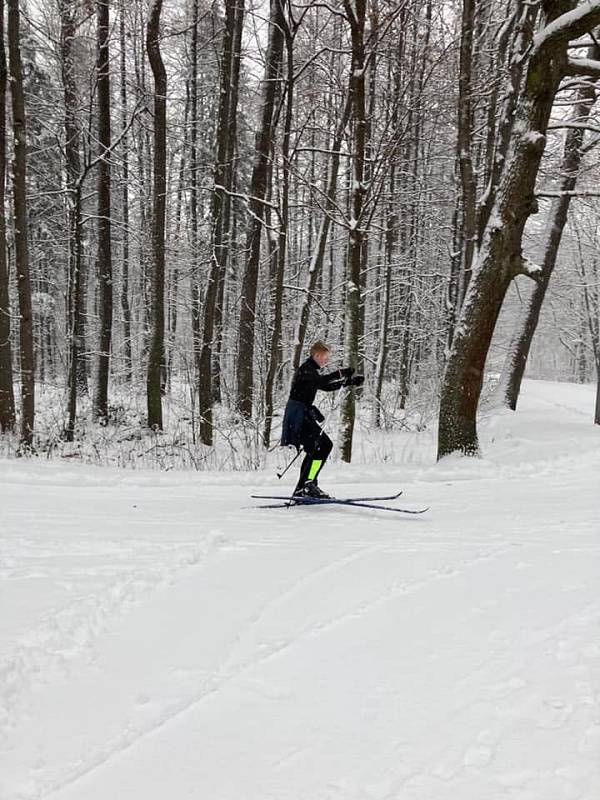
306, 383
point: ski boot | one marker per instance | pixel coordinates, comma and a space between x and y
311, 489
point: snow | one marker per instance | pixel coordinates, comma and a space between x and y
160, 637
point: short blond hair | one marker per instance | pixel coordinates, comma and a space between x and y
319, 347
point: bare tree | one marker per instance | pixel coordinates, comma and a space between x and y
221, 204
573, 153
256, 209
7, 398
77, 376
156, 355
21, 225
125, 305
356, 16
500, 257
104, 256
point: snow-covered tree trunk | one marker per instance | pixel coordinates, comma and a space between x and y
77, 376
7, 397
125, 305
21, 225
500, 257
156, 357
356, 14
281, 242
516, 360
104, 256
221, 205
257, 199
468, 181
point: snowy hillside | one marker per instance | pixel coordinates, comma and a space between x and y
161, 638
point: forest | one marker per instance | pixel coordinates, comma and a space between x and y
193, 192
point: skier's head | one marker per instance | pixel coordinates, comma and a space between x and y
320, 353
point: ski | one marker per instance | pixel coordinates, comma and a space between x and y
312, 499
349, 503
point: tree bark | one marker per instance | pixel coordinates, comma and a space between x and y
500, 258
256, 209
356, 15
464, 143
156, 355
221, 206
21, 226
104, 255
277, 286
7, 397
125, 305
77, 377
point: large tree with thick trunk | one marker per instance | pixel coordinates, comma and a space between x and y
574, 150
500, 256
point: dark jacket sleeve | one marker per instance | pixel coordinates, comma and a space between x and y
333, 380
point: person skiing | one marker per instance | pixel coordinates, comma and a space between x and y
301, 420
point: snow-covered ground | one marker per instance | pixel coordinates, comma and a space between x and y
161, 638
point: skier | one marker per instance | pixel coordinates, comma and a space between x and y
301, 419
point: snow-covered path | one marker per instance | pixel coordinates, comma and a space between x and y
159, 637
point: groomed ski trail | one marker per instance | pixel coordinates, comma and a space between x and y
163, 642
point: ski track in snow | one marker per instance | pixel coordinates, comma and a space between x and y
188, 648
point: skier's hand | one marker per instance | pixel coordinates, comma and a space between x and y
357, 380
347, 372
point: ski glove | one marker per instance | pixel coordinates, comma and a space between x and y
357, 380
347, 372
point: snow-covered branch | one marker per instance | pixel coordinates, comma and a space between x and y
583, 66
568, 26
568, 193
524, 266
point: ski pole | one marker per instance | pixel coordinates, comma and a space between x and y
281, 474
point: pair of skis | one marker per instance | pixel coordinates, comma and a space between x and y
358, 502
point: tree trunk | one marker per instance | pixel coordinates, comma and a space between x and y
125, 306
514, 368
277, 286
500, 258
355, 13
156, 355
77, 378
229, 223
76, 366
104, 257
21, 226
390, 241
258, 188
221, 205
7, 397
464, 143
196, 298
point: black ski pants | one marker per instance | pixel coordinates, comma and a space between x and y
317, 446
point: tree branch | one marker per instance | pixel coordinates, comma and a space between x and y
567, 26
577, 67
